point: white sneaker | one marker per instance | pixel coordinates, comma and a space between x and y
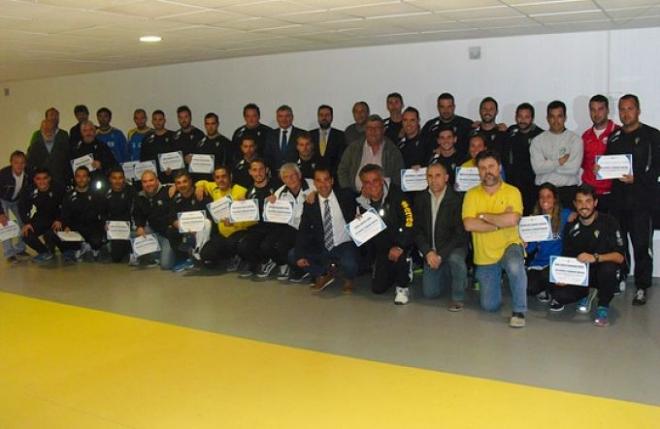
283, 272
266, 269
233, 264
402, 296
84, 248
133, 260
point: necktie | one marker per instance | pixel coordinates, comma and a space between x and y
327, 226
283, 142
323, 144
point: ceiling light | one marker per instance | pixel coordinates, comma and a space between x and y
150, 39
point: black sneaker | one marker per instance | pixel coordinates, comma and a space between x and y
298, 276
556, 306
543, 297
640, 297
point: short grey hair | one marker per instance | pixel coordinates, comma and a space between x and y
290, 166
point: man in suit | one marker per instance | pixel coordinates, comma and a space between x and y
440, 237
281, 142
322, 243
329, 142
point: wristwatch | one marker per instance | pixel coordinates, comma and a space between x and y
596, 257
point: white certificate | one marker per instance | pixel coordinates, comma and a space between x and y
613, 166
141, 167
83, 161
535, 228
467, 178
219, 209
281, 211
170, 160
413, 180
244, 211
71, 236
568, 271
365, 227
9, 231
201, 164
129, 170
145, 245
192, 221
118, 230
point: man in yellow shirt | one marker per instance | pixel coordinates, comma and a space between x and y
491, 212
222, 246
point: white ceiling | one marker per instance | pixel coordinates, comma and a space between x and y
40, 38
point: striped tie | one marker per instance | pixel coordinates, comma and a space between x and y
327, 226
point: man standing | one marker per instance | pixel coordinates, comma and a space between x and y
323, 246
81, 112
213, 143
491, 212
374, 150
556, 155
51, 114
186, 137
445, 153
389, 249
281, 142
111, 136
161, 140
488, 127
328, 142
136, 135
595, 144
393, 124
305, 157
13, 183
633, 194
252, 128
104, 159
241, 170
447, 118
356, 131
118, 206
516, 156
441, 238
410, 143
50, 150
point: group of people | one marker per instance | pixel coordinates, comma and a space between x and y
332, 178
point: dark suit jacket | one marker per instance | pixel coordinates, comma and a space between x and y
334, 149
272, 152
8, 185
310, 237
449, 231
56, 161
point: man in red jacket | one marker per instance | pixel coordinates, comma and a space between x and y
595, 144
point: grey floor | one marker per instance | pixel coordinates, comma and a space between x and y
559, 351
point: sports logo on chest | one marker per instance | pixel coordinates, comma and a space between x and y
596, 233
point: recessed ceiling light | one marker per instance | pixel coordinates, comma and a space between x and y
150, 39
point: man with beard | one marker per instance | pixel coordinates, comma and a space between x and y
594, 141
252, 128
394, 124
516, 158
213, 143
186, 137
356, 132
634, 195
447, 118
304, 156
488, 128
593, 238
81, 112
136, 135
118, 206
410, 143
104, 159
445, 153
491, 212
161, 140
241, 171
328, 142
111, 136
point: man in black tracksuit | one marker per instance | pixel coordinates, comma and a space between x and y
445, 153
410, 143
515, 155
633, 195
186, 137
151, 214
213, 143
462, 126
390, 248
160, 140
40, 212
81, 212
118, 206
305, 157
252, 128
104, 160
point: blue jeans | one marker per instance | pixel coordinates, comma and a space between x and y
345, 256
167, 257
10, 249
452, 271
490, 280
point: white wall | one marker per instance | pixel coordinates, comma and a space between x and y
570, 67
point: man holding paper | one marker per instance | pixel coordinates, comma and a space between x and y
14, 182
160, 140
445, 152
389, 249
594, 238
117, 210
187, 233
225, 244
633, 195
81, 213
441, 238
211, 151
151, 213
323, 245
102, 159
491, 212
